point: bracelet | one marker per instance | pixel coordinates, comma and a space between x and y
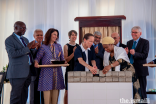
87, 66
112, 65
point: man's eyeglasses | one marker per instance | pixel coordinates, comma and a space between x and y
134, 32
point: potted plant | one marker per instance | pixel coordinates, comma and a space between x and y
4, 72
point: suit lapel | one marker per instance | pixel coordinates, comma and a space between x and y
131, 44
139, 42
17, 39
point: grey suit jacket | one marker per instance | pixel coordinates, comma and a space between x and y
18, 59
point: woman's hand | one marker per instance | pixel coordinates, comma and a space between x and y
93, 70
95, 67
65, 62
151, 63
36, 64
106, 69
74, 49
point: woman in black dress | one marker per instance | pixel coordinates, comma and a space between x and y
69, 50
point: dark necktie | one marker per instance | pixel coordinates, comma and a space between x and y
25, 46
131, 57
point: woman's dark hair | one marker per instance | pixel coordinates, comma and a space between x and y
48, 35
86, 36
70, 32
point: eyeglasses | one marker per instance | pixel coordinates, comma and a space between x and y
23, 28
98, 37
134, 32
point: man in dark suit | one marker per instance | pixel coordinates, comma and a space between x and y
20, 59
35, 95
117, 42
99, 50
137, 50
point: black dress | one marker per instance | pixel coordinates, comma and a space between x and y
71, 63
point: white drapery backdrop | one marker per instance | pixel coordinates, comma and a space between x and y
60, 14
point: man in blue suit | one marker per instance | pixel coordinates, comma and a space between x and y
99, 50
20, 59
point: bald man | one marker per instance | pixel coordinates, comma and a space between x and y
20, 60
116, 37
35, 95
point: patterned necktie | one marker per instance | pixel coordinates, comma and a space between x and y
131, 57
25, 46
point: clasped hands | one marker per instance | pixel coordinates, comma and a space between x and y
32, 45
132, 51
93, 69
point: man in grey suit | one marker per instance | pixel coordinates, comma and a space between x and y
20, 59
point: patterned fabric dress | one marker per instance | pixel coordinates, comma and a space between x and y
126, 66
51, 78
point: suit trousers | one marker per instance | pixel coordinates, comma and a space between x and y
19, 92
35, 95
143, 84
51, 96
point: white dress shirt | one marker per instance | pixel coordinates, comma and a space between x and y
86, 52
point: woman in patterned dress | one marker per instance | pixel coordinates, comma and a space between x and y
116, 59
51, 78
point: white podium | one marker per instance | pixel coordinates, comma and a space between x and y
99, 93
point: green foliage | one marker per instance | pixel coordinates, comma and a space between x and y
4, 68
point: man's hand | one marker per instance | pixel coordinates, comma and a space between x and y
96, 50
32, 45
106, 69
38, 46
126, 49
29, 45
35, 45
132, 51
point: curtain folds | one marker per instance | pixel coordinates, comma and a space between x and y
105, 31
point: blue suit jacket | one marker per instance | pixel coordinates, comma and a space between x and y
78, 53
99, 57
18, 60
